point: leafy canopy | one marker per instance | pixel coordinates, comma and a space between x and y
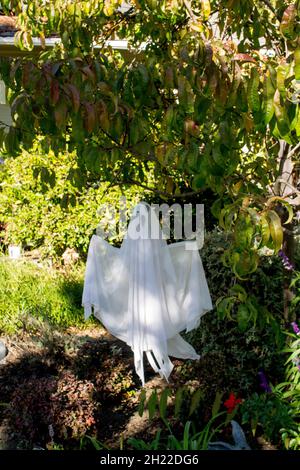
195, 94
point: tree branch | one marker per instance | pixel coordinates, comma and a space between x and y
189, 9
270, 6
294, 150
272, 9
157, 191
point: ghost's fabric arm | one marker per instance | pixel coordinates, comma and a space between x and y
192, 288
106, 286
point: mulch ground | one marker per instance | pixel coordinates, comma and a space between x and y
75, 362
89, 354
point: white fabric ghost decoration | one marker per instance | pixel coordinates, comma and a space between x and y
146, 292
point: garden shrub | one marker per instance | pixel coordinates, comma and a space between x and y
47, 203
234, 357
266, 414
265, 283
289, 390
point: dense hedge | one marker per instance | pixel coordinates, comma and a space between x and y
50, 211
234, 356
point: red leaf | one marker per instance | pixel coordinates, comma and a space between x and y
54, 92
90, 117
244, 58
89, 73
26, 74
103, 115
60, 114
288, 20
75, 95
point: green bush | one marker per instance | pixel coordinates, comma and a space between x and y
47, 202
267, 412
234, 357
289, 391
28, 291
265, 283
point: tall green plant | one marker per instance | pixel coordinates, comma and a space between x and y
180, 406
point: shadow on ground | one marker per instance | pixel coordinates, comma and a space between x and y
61, 388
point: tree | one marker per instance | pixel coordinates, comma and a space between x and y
207, 94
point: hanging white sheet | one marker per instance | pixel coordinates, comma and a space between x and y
146, 292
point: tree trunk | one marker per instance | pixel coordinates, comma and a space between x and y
286, 167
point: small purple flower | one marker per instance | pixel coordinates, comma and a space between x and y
264, 383
288, 265
295, 328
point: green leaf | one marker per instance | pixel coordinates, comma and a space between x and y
216, 208
275, 229
152, 404
205, 4
254, 423
268, 98
115, 155
252, 91
178, 401
217, 404
117, 127
169, 117
92, 158
286, 204
282, 71
224, 307
243, 231
77, 128
169, 78
134, 131
265, 229
297, 63
239, 291
143, 74
142, 400
196, 398
281, 116
186, 435
244, 263
163, 402
199, 182
297, 125
243, 317
253, 312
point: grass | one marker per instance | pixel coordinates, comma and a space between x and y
29, 291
